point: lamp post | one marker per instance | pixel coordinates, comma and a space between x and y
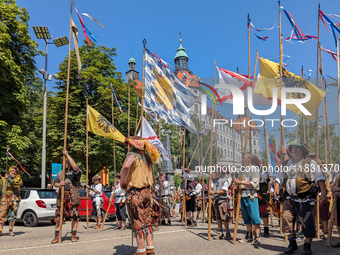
42, 33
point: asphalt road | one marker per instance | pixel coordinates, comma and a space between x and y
175, 239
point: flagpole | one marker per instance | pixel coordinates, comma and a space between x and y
210, 161
250, 145
159, 172
249, 115
317, 85
65, 129
201, 153
142, 112
233, 198
281, 64
324, 110
267, 159
128, 110
136, 120
337, 57
327, 123
183, 162
87, 163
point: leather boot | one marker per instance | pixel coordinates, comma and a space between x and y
266, 232
140, 253
150, 251
307, 250
56, 238
291, 247
74, 237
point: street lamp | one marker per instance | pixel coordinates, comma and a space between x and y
42, 33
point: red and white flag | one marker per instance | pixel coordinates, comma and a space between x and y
238, 80
149, 134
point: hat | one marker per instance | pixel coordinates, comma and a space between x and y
143, 145
301, 144
96, 177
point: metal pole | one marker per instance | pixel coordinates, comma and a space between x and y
43, 154
304, 133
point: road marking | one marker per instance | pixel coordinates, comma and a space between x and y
89, 241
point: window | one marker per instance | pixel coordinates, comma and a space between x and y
254, 142
24, 194
254, 151
47, 194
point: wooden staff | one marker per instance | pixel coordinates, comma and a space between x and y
233, 197
142, 108
136, 119
114, 167
183, 164
87, 163
267, 159
326, 115
317, 84
250, 145
201, 153
183, 185
210, 164
159, 173
324, 111
249, 116
65, 130
129, 109
297, 127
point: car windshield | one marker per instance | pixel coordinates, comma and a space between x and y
47, 194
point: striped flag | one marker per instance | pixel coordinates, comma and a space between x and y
165, 94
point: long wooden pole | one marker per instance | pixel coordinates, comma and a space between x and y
142, 108
87, 163
324, 111
129, 109
250, 145
234, 155
159, 173
337, 179
249, 115
210, 161
192, 157
65, 129
184, 205
267, 159
317, 84
201, 153
326, 115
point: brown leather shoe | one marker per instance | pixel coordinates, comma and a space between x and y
74, 237
96, 227
11, 233
56, 238
150, 251
140, 253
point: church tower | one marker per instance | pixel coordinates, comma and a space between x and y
181, 58
132, 74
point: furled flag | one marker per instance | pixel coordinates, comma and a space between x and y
269, 79
22, 168
121, 108
165, 94
76, 45
101, 126
238, 80
85, 14
149, 134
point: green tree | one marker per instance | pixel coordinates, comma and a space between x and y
98, 72
20, 88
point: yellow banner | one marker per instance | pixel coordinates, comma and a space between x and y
101, 126
270, 78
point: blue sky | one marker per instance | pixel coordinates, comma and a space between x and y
215, 29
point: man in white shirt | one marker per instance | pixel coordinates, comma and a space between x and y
249, 201
198, 191
299, 179
190, 193
96, 194
164, 188
119, 194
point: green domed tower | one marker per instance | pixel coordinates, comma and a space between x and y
181, 58
132, 74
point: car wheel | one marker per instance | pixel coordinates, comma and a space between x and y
30, 219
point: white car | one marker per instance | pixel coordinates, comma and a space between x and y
37, 205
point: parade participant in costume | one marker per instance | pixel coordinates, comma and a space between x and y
71, 196
137, 180
299, 178
336, 194
164, 186
96, 190
249, 201
190, 204
222, 203
10, 200
263, 192
120, 202
199, 201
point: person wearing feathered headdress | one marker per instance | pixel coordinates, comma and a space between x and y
137, 180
